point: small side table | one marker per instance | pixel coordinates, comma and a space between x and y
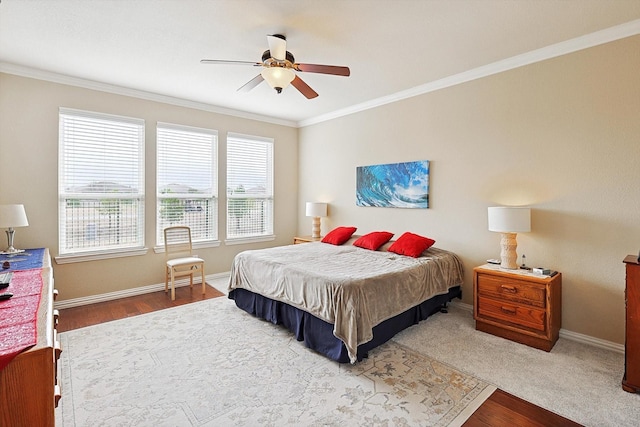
518, 305
305, 239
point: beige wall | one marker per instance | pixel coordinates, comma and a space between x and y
29, 174
562, 135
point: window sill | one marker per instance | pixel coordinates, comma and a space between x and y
245, 240
96, 256
199, 245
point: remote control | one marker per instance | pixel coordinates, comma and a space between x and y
494, 261
5, 296
6, 277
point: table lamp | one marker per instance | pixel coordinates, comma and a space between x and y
509, 220
12, 216
316, 210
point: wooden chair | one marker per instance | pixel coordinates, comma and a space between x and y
180, 261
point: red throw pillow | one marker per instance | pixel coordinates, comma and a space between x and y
339, 235
373, 240
411, 244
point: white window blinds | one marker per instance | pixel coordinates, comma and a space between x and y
187, 189
101, 182
249, 186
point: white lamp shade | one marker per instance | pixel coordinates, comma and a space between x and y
316, 209
12, 216
278, 77
510, 219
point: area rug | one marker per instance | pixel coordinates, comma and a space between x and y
211, 364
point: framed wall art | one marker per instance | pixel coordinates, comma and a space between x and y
393, 185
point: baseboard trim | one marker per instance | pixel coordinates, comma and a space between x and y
595, 342
92, 299
570, 335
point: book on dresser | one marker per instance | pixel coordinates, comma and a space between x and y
28, 378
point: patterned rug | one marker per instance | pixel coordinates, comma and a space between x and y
211, 364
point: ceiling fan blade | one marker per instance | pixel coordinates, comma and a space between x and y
277, 46
224, 61
304, 88
323, 69
251, 83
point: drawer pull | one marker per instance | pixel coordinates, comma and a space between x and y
508, 310
511, 289
57, 348
56, 395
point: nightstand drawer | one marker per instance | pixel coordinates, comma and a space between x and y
511, 290
528, 317
305, 239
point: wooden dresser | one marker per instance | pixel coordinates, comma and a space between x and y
518, 305
28, 384
631, 379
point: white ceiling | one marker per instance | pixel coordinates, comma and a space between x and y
392, 47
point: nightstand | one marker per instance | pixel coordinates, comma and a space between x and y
305, 239
518, 305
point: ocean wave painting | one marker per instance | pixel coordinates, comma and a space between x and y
395, 185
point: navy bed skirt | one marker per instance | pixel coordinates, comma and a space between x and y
318, 334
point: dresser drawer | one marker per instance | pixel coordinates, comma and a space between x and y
511, 290
28, 382
526, 316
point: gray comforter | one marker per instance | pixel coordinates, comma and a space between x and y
354, 289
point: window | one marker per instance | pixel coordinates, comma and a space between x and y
187, 185
249, 186
101, 183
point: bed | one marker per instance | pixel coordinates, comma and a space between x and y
343, 300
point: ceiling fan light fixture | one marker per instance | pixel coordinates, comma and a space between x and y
280, 68
278, 77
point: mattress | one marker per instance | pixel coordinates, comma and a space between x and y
351, 288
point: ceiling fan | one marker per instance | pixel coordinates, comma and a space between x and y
279, 68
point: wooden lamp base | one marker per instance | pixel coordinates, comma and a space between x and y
315, 230
508, 254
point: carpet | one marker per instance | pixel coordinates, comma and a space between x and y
576, 380
211, 364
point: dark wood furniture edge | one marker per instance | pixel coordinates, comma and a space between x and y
632, 311
519, 337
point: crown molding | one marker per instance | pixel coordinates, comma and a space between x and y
617, 32
597, 38
34, 73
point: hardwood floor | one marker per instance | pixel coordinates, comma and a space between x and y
501, 409
92, 314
